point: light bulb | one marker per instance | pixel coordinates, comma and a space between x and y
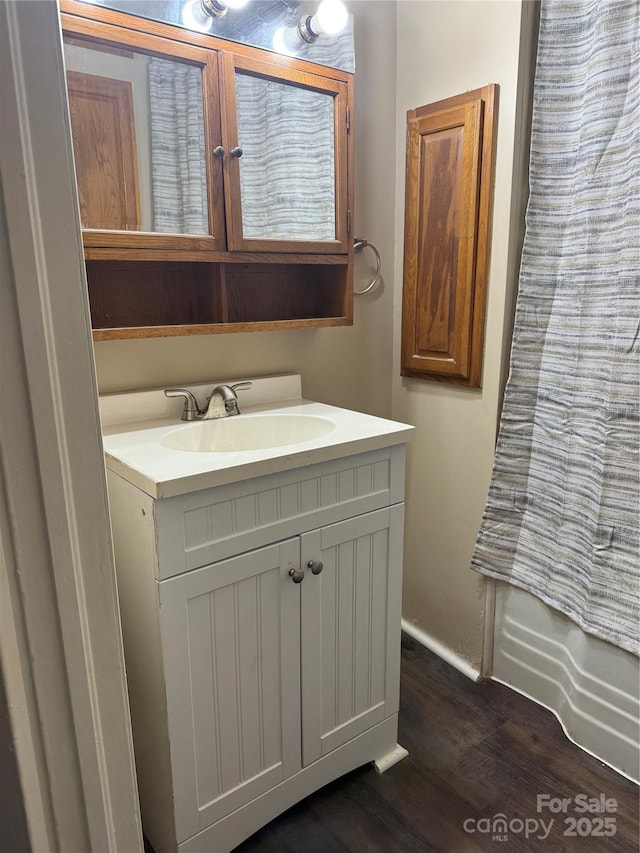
330, 18
194, 17
286, 41
219, 8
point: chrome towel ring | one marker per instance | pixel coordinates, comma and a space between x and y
359, 244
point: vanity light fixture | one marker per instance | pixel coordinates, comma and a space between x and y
199, 14
219, 8
330, 18
286, 41
195, 18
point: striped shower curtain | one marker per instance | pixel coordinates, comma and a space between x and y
178, 167
563, 509
287, 176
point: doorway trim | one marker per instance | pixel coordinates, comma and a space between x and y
60, 641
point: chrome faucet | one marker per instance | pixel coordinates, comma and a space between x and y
222, 402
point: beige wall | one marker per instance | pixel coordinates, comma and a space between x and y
344, 366
444, 49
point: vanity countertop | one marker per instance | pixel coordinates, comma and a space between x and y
134, 425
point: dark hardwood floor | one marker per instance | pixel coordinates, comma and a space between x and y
475, 751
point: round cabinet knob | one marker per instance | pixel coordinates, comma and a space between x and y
296, 575
236, 152
218, 151
316, 566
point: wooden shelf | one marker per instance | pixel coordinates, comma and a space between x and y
215, 329
167, 299
105, 253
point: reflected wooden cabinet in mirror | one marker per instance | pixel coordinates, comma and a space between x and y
215, 180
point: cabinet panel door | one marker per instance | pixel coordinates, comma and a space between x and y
145, 118
287, 189
449, 185
350, 629
230, 637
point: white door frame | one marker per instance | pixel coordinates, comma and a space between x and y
60, 641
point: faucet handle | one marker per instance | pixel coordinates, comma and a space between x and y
191, 410
232, 405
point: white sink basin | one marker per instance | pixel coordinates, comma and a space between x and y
247, 432
278, 430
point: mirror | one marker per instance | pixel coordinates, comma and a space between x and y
287, 174
257, 24
137, 122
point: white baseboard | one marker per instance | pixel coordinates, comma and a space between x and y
460, 663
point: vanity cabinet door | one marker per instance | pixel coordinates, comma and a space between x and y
350, 628
231, 648
286, 164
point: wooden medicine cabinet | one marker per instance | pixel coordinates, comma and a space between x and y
449, 192
214, 180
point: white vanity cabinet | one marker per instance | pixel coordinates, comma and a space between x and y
250, 690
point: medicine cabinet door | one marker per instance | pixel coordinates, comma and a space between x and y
285, 172
145, 123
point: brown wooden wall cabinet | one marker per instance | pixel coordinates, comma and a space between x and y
449, 192
240, 270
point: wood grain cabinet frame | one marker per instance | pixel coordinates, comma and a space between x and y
449, 191
233, 279
335, 91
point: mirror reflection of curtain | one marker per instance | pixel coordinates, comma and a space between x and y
287, 167
178, 167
